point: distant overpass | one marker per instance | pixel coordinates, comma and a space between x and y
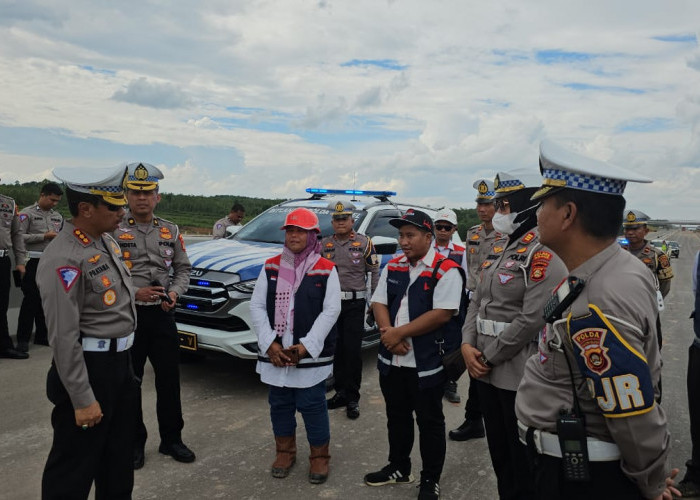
692, 223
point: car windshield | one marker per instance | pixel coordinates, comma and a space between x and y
673, 244
657, 243
265, 227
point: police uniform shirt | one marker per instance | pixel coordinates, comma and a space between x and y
514, 286
478, 244
10, 236
34, 222
86, 289
354, 258
658, 263
151, 250
219, 229
640, 434
446, 295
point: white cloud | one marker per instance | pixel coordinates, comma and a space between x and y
453, 90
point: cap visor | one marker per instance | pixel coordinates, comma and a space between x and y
119, 201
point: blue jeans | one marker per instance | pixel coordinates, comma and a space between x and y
310, 402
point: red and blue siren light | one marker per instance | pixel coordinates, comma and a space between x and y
354, 192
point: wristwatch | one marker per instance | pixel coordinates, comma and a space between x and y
485, 362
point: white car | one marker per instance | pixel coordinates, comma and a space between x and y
214, 314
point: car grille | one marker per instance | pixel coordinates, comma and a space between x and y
203, 296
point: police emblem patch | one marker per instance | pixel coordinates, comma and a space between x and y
106, 281
166, 236
497, 249
510, 264
483, 188
68, 276
521, 250
475, 237
94, 259
127, 254
528, 237
128, 264
23, 217
141, 173
505, 278
590, 342
126, 236
109, 298
631, 217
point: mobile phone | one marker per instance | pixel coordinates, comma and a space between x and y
574, 446
165, 298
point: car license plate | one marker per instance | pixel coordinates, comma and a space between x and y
188, 340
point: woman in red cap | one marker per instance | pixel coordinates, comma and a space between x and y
294, 309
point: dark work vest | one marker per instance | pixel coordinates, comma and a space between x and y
425, 347
696, 313
308, 304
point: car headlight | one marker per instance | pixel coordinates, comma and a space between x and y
244, 286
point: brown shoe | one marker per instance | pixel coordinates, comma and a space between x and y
286, 455
319, 458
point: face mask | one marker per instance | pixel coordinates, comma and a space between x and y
503, 223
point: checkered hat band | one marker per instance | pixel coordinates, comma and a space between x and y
585, 182
508, 185
104, 189
147, 179
487, 195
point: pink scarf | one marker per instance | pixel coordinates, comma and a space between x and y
293, 267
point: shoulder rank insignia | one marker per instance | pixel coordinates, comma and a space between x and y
68, 275
528, 237
84, 239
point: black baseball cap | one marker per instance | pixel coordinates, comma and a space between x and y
416, 218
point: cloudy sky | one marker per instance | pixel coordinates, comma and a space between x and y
265, 98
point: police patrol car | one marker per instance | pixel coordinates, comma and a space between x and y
213, 314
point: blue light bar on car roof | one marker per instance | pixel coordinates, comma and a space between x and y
355, 192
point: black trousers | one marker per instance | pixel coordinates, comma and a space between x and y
472, 408
607, 481
347, 363
403, 398
31, 311
694, 411
157, 339
5, 340
103, 453
508, 454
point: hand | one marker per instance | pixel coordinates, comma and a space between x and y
167, 307
471, 359
277, 358
90, 415
21, 269
302, 350
390, 336
49, 235
670, 491
401, 349
149, 293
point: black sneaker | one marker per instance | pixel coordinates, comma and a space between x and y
352, 410
23, 346
429, 489
451, 392
178, 451
336, 401
388, 475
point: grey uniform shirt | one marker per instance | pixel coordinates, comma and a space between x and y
34, 222
658, 263
624, 291
152, 250
86, 290
10, 235
353, 258
219, 229
513, 289
479, 244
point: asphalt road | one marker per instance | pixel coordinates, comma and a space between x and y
227, 425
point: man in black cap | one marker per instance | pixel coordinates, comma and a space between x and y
416, 305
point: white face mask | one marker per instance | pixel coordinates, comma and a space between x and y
503, 223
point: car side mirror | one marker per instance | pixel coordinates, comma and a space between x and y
384, 245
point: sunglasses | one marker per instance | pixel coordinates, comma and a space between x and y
443, 227
110, 207
501, 204
341, 217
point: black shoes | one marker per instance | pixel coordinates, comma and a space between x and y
388, 475
23, 346
352, 410
429, 489
470, 429
178, 451
12, 353
139, 458
451, 392
336, 401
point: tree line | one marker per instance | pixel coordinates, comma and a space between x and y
195, 213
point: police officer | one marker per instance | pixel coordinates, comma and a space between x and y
89, 306
39, 224
635, 226
590, 389
479, 241
417, 306
445, 228
354, 257
10, 241
503, 320
152, 248
234, 218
